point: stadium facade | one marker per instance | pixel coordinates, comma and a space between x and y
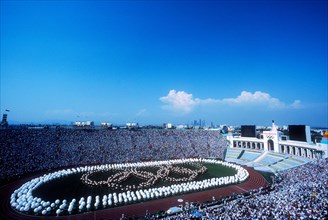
273, 141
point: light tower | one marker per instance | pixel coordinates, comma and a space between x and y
4, 122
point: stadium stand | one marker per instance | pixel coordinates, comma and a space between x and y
299, 190
26, 151
299, 193
263, 160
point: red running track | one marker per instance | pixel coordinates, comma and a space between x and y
255, 181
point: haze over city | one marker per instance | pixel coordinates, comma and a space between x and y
226, 62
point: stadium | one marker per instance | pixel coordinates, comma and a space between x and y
117, 109
147, 173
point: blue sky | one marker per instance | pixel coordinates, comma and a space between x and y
226, 62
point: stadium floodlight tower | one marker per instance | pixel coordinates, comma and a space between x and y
4, 122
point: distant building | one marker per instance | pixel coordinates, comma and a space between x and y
106, 125
168, 125
132, 125
84, 123
182, 127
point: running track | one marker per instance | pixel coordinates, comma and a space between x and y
255, 181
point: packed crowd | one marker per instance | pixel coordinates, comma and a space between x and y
299, 193
23, 151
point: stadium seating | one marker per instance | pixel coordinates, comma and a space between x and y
25, 151
271, 161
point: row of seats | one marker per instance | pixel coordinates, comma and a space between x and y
270, 162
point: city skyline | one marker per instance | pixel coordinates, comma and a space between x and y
154, 62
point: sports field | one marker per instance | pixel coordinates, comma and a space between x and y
71, 186
254, 181
90, 188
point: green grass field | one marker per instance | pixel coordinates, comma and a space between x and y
71, 186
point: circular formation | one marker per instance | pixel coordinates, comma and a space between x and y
149, 179
23, 200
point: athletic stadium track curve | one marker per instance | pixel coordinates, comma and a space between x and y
255, 181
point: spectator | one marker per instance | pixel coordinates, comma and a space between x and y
25, 151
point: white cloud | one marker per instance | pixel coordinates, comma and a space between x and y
179, 101
257, 97
183, 102
261, 98
296, 104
